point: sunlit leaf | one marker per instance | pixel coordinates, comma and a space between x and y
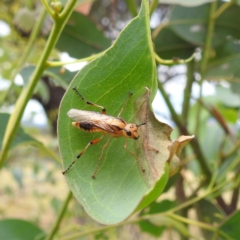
120, 184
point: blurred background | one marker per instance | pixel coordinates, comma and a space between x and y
203, 92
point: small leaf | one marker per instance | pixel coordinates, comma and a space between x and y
190, 24
168, 45
61, 76
224, 64
155, 207
227, 97
156, 137
208, 212
175, 150
81, 38
21, 136
230, 227
19, 230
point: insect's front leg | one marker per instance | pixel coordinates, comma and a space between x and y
89, 103
82, 152
139, 163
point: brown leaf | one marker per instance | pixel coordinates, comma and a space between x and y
155, 136
175, 150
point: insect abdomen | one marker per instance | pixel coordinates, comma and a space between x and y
86, 126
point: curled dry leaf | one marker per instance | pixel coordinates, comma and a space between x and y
156, 147
175, 150
152, 150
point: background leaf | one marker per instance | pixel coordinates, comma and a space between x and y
19, 230
82, 37
230, 226
21, 136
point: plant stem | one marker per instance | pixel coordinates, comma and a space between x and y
187, 91
173, 61
27, 91
205, 58
169, 213
194, 142
223, 8
132, 7
86, 59
153, 6
59, 218
27, 50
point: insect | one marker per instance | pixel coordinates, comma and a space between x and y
91, 121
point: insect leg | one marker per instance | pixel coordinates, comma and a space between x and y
89, 103
149, 147
82, 152
100, 158
129, 96
139, 163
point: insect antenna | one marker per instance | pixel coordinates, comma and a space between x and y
138, 125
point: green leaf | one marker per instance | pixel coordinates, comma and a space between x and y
120, 185
227, 97
155, 207
19, 230
208, 212
21, 136
191, 24
230, 227
61, 76
169, 45
81, 38
225, 63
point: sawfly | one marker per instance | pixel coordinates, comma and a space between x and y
91, 121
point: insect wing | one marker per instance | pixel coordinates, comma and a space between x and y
82, 116
97, 119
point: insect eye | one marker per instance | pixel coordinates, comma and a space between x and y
128, 132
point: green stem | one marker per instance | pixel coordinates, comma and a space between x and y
173, 61
27, 50
132, 7
194, 143
47, 7
223, 8
192, 222
59, 64
153, 6
187, 91
150, 216
59, 218
27, 91
205, 58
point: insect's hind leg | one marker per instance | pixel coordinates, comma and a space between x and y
82, 152
139, 163
89, 103
100, 158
